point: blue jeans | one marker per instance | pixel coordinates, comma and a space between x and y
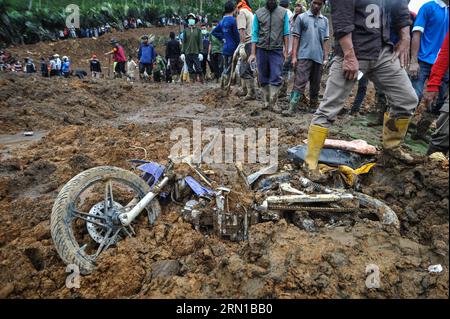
419, 84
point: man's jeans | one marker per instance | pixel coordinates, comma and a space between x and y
419, 84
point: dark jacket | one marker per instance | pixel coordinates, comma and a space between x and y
96, 66
361, 17
173, 49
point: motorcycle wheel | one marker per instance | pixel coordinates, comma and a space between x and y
80, 224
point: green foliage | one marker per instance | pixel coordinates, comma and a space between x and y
34, 20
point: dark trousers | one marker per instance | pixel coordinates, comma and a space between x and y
120, 68
227, 61
361, 95
175, 66
270, 66
245, 70
440, 138
193, 64
308, 71
217, 65
145, 67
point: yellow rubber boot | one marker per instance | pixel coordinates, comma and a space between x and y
316, 139
394, 131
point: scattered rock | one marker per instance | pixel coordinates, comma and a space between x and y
165, 268
6, 291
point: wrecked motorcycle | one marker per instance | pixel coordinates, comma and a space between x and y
98, 208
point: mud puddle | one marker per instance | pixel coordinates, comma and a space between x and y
10, 143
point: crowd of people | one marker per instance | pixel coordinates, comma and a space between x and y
273, 47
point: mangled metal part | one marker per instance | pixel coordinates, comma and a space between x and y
198, 189
229, 225
286, 187
314, 187
152, 173
272, 169
198, 214
308, 199
385, 214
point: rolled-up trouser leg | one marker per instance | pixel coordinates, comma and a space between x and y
336, 94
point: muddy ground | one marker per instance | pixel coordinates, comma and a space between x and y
83, 124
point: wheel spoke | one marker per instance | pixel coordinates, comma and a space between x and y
89, 218
109, 198
77, 213
103, 244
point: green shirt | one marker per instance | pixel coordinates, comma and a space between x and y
160, 64
192, 41
216, 45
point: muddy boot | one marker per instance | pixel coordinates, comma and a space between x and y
224, 82
266, 97
295, 98
274, 93
394, 133
316, 140
200, 78
283, 90
251, 90
313, 105
244, 89
422, 127
192, 78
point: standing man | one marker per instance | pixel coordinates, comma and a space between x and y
173, 53
119, 58
244, 23
192, 48
228, 33
439, 142
58, 64
287, 67
270, 42
206, 43
215, 54
95, 67
362, 32
429, 32
146, 58
310, 49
